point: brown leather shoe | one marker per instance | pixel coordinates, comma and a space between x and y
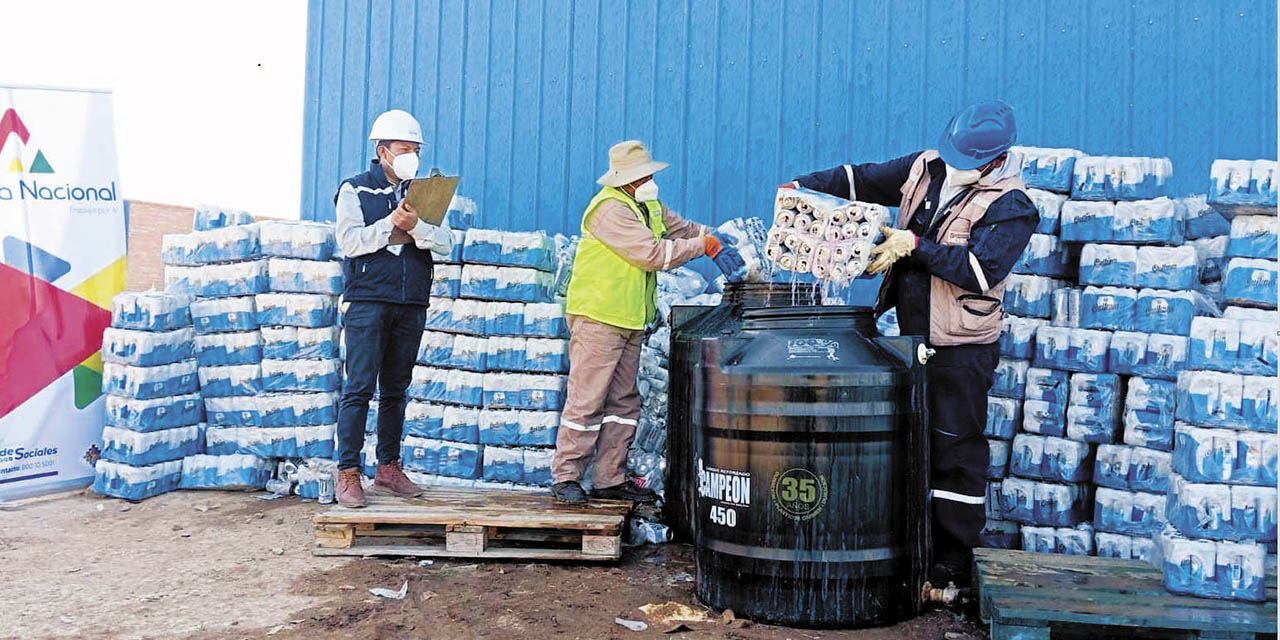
349, 492
391, 479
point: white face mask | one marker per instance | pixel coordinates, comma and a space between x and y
405, 165
647, 191
963, 178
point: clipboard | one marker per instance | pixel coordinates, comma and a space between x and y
430, 197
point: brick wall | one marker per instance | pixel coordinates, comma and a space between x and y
149, 221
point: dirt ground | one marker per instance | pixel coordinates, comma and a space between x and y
215, 565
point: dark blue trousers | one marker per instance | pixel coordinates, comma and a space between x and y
958, 379
382, 345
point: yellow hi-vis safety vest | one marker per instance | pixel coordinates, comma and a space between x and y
605, 287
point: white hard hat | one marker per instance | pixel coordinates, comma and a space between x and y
396, 125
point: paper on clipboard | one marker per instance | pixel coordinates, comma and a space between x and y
430, 197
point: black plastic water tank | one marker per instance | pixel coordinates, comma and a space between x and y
809, 468
690, 324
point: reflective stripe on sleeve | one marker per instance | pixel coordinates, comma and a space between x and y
848, 171
978, 273
957, 497
578, 427
620, 420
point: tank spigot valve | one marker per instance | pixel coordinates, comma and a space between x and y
923, 353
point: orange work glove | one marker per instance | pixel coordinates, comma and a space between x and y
712, 245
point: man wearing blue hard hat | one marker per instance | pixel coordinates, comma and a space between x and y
964, 219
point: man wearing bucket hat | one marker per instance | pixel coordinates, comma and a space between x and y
628, 235
964, 219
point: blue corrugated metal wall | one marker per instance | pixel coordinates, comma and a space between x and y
523, 98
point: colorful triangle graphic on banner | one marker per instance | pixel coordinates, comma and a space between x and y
15, 166
40, 164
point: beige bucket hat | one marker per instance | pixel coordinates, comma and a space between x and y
629, 161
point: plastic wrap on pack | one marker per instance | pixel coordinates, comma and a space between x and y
1150, 355
1133, 513
273, 442
500, 427
1031, 296
432, 384
181, 280
819, 234
228, 244
505, 354
538, 428
1243, 186
566, 253
462, 213
509, 284
1000, 534
997, 459
274, 409
455, 250
423, 419
537, 466
681, 282
1113, 545
1111, 466
1223, 455
179, 249
314, 409
1010, 379
233, 380
309, 474
143, 448
533, 249
545, 320
503, 464
301, 240
435, 348
150, 311
1047, 385
1087, 221
467, 353
1004, 416
225, 314
1086, 424
1222, 512
1049, 458
154, 414
468, 316
1258, 403
1120, 178
1211, 261
146, 348
1044, 418
482, 246
441, 457
1109, 308
546, 355
1166, 268
1049, 169
1015, 495
1109, 264
208, 216
503, 318
1163, 311
233, 279
1149, 408
1052, 347
297, 309
1088, 350
300, 343
1250, 282
145, 383
1044, 256
1258, 348
1049, 206
993, 503
301, 375
460, 424
524, 391
1017, 337
439, 316
750, 239
315, 441
235, 471
1039, 539
288, 275
222, 349
1075, 541
1253, 237
1100, 391
1043, 503
1066, 307
1199, 220
446, 280
136, 483
369, 456
1211, 399
1147, 222
1214, 344
1208, 569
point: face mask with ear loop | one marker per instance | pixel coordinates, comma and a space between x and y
647, 191
405, 165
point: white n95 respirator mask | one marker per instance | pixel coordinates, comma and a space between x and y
405, 165
647, 191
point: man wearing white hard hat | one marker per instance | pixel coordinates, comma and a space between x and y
387, 265
628, 235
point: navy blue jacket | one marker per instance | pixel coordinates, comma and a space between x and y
997, 241
383, 276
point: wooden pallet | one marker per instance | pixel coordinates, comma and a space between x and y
467, 523
1036, 596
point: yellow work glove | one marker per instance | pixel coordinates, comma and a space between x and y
897, 244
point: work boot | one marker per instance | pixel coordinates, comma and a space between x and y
349, 492
390, 478
569, 492
625, 491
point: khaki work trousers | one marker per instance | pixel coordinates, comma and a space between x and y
603, 405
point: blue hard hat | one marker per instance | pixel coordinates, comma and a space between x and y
980, 133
